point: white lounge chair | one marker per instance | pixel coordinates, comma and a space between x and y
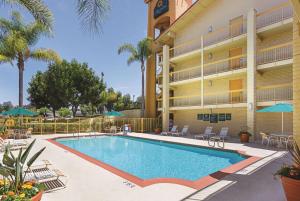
183, 132
173, 130
14, 144
206, 135
220, 138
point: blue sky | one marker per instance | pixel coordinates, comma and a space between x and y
125, 22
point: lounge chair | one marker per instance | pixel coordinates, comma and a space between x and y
14, 144
183, 132
220, 138
50, 178
173, 130
206, 135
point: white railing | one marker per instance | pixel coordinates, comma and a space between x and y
230, 97
219, 35
185, 74
225, 65
225, 33
275, 53
274, 15
275, 93
183, 101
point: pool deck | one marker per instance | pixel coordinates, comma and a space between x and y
87, 181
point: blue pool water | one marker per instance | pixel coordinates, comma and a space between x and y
149, 159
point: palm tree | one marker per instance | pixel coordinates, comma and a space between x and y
140, 54
16, 42
91, 12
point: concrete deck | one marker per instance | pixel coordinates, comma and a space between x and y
86, 181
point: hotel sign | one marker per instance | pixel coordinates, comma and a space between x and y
162, 6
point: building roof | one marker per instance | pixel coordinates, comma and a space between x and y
189, 14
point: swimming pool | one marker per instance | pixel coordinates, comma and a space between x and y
150, 159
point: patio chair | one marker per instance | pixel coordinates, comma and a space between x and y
206, 135
266, 137
183, 132
173, 130
288, 141
113, 129
28, 133
220, 138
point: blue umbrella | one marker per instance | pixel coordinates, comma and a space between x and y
279, 108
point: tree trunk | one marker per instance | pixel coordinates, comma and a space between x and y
53, 111
21, 74
143, 90
74, 110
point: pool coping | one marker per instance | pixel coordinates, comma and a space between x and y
199, 184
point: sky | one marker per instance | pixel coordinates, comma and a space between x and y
125, 22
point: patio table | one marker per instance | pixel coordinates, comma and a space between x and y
280, 138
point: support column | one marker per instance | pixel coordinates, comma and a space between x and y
166, 90
251, 72
296, 80
202, 72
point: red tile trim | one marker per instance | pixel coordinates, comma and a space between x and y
198, 184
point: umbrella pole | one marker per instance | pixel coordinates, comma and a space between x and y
281, 122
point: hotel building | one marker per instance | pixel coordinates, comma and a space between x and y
218, 61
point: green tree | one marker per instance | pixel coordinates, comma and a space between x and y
140, 54
64, 112
84, 86
43, 111
16, 45
91, 12
66, 85
49, 89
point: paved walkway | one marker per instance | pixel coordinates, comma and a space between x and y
86, 181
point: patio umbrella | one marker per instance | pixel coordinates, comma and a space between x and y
114, 114
278, 108
19, 111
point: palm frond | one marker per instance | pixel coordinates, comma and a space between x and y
92, 13
45, 55
37, 8
144, 48
5, 59
127, 48
132, 59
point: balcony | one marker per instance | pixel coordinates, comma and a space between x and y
229, 97
275, 53
186, 74
274, 15
193, 47
184, 101
225, 65
275, 93
228, 32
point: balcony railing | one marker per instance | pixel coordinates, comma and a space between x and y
183, 101
230, 97
230, 31
185, 74
225, 65
275, 53
225, 33
275, 93
274, 15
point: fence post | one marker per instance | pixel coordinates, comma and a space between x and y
55, 126
79, 125
142, 124
41, 126
67, 126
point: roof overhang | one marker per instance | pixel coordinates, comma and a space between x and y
296, 6
179, 23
